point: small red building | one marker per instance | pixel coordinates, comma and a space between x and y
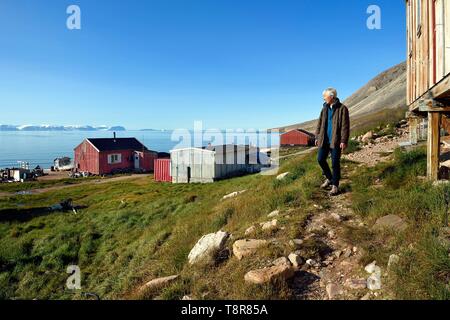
112, 155
162, 170
297, 137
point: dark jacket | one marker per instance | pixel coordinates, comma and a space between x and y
341, 125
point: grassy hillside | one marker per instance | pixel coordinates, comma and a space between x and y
135, 230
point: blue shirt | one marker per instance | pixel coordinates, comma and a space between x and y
329, 136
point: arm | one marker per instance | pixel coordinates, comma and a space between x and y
319, 123
345, 128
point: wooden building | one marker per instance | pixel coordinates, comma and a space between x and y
297, 137
428, 69
100, 156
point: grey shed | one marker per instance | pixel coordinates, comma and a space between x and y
209, 164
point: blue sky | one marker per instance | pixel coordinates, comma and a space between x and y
165, 63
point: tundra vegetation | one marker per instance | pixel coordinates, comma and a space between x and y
136, 230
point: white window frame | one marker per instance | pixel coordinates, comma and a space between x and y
114, 158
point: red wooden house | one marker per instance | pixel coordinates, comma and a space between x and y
297, 137
112, 155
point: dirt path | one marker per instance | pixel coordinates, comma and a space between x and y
338, 273
89, 182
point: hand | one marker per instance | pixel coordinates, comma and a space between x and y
343, 146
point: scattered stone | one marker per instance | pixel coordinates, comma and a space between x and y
246, 247
317, 206
159, 283
331, 234
283, 261
250, 230
367, 137
355, 249
186, 298
274, 214
270, 225
356, 284
374, 282
265, 275
336, 217
391, 221
372, 267
296, 243
208, 246
233, 194
334, 290
282, 176
338, 253
366, 296
295, 259
393, 259
312, 263
347, 253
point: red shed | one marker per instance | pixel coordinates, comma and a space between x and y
297, 137
109, 155
162, 170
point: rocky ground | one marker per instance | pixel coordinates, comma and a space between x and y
335, 270
375, 149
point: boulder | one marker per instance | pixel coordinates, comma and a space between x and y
336, 217
269, 274
393, 260
390, 221
246, 247
208, 246
270, 225
159, 282
250, 230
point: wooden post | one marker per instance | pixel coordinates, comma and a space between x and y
413, 129
433, 145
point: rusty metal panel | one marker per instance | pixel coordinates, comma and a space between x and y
162, 170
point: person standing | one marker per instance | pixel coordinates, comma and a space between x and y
332, 134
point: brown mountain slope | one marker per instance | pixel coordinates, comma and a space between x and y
381, 99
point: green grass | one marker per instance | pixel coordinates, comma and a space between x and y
30, 185
135, 230
424, 268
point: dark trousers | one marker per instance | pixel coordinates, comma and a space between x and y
335, 163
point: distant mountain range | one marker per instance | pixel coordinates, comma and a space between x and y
8, 127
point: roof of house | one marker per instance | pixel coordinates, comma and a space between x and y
112, 144
301, 131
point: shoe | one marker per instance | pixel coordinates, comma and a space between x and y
326, 184
334, 191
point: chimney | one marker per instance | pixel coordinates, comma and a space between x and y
114, 136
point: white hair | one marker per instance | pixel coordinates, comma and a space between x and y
330, 92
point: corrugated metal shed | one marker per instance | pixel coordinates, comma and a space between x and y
162, 170
212, 163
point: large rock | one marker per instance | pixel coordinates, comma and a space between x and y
159, 283
208, 246
274, 214
270, 225
390, 221
295, 259
246, 247
265, 275
357, 284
